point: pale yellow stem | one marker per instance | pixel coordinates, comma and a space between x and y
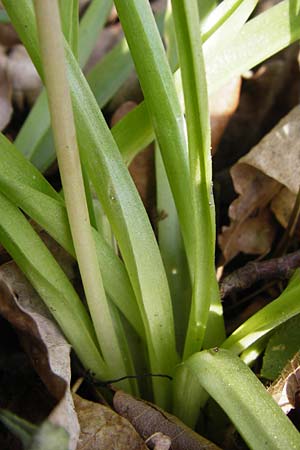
55, 75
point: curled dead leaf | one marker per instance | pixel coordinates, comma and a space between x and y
278, 153
148, 419
104, 429
253, 236
251, 229
222, 105
23, 75
269, 173
123, 109
8, 35
43, 342
283, 205
255, 188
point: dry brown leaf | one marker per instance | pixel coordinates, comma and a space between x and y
148, 419
269, 173
251, 230
278, 153
253, 236
122, 110
6, 109
43, 341
23, 75
255, 189
222, 105
282, 206
104, 429
113, 15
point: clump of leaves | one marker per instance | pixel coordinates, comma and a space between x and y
166, 290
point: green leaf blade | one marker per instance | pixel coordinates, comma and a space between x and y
280, 310
24, 185
46, 276
162, 103
186, 20
251, 408
258, 40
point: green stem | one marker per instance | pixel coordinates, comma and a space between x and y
52, 51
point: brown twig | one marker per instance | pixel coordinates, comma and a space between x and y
245, 277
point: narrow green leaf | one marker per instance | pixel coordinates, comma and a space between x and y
89, 199
286, 306
172, 251
50, 437
170, 38
49, 280
215, 329
230, 382
90, 26
108, 75
231, 19
223, 21
45, 437
29, 190
205, 8
250, 355
282, 346
165, 113
186, 21
131, 384
69, 15
220, 15
131, 139
34, 131
16, 169
258, 40
168, 227
4, 17
19, 427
